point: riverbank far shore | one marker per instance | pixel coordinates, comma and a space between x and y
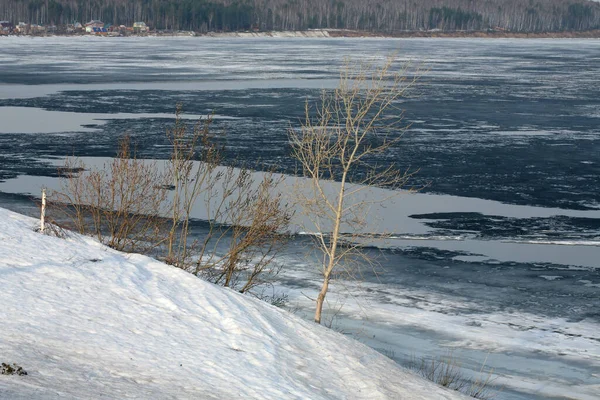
469, 34
345, 33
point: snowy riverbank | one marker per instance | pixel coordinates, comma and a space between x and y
87, 322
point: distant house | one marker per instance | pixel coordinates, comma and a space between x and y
74, 27
6, 27
89, 27
122, 30
140, 27
22, 28
100, 31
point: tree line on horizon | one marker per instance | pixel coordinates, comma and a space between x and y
384, 16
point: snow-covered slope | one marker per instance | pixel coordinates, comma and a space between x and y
88, 322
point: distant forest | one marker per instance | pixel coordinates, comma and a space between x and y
385, 16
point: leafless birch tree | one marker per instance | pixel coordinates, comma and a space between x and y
341, 141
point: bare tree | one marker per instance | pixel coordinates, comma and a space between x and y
354, 125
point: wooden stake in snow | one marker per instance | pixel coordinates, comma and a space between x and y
43, 216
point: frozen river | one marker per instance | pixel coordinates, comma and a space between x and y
497, 259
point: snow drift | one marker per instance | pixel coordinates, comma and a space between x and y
88, 322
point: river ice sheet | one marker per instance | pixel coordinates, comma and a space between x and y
504, 132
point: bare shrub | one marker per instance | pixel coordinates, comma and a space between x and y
269, 294
11, 369
252, 219
52, 228
447, 372
120, 203
191, 169
247, 216
482, 387
444, 371
145, 206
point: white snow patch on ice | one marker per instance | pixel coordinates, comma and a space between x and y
36, 120
589, 283
407, 231
551, 277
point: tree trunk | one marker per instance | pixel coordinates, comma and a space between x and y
333, 250
321, 300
